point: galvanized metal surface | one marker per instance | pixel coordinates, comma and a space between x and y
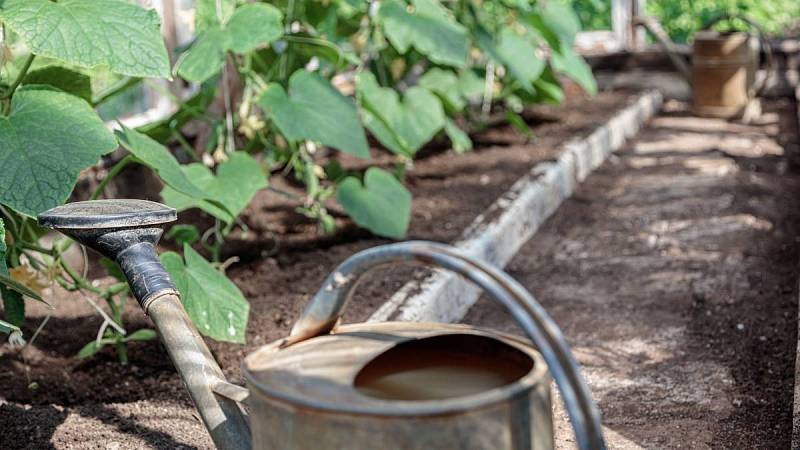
723, 73
516, 416
322, 314
304, 397
319, 373
127, 231
724, 66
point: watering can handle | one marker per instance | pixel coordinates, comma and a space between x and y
325, 309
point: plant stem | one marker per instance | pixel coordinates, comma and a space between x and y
122, 350
79, 280
111, 174
20, 76
37, 248
185, 144
117, 288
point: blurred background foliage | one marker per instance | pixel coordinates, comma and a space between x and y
682, 18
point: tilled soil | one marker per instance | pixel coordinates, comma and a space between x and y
673, 273
50, 399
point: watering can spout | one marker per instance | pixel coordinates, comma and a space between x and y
127, 231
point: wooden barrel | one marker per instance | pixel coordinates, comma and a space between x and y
723, 73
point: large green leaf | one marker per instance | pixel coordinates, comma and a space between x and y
429, 29
237, 181
216, 306
402, 126
381, 205
249, 27
572, 65
69, 81
88, 33
46, 141
515, 52
315, 111
157, 157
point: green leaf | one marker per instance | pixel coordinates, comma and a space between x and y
46, 141
202, 177
515, 52
429, 29
205, 57
249, 27
382, 204
548, 88
210, 13
562, 20
402, 126
519, 124
461, 142
92, 348
69, 81
9, 283
445, 84
252, 26
315, 111
144, 334
237, 181
8, 328
471, 85
157, 157
212, 301
183, 234
572, 65
89, 33
13, 304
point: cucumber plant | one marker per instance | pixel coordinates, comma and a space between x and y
327, 73
50, 133
280, 87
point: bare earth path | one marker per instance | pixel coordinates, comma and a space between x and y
672, 271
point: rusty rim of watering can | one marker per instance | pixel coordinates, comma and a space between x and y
281, 375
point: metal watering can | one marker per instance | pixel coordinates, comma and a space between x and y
724, 66
356, 387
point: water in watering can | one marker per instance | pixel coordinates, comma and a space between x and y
442, 367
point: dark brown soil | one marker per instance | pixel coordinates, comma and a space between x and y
673, 273
50, 399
